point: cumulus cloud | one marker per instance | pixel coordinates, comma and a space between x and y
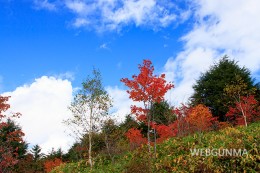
110, 15
121, 102
43, 105
221, 27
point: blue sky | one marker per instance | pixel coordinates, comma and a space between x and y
36, 41
48, 47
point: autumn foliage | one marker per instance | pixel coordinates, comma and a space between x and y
200, 118
164, 132
181, 125
8, 153
148, 89
245, 110
146, 86
50, 164
135, 137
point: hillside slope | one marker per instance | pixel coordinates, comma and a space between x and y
228, 150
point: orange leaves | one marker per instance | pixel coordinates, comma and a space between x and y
192, 119
200, 118
50, 164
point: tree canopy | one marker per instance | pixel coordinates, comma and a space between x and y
209, 88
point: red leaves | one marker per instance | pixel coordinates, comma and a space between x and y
50, 164
139, 112
3, 105
8, 154
147, 87
245, 110
135, 137
164, 132
191, 119
181, 125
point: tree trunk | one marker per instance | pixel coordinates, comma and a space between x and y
155, 144
90, 150
148, 135
148, 131
245, 121
108, 149
90, 140
244, 115
154, 133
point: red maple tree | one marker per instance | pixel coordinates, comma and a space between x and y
181, 125
148, 89
135, 137
246, 110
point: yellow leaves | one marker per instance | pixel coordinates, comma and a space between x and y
231, 131
237, 88
250, 138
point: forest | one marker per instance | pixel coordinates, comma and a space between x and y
220, 120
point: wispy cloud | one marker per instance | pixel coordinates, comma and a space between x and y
104, 46
113, 15
67, 75
80, 22
222, 27
45, 4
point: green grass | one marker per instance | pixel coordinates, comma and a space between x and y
174, 155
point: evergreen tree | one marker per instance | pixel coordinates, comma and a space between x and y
36, 152
209, 89
18, 146
163, 113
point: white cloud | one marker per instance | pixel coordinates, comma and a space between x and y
43, 105
229, 27
67, 75
104, 15
77, 6
121, 102
45, 4
80, 22
222, 27
184, 70
104, 46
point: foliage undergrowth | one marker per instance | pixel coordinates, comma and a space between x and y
174, 155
